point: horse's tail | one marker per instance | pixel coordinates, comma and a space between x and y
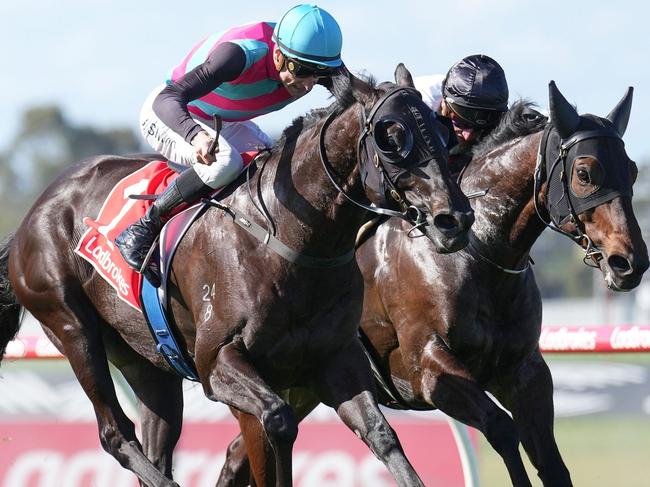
10, 310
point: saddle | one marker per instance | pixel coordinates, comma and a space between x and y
126, 202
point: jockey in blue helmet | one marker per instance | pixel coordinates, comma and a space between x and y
310, 36
237, 75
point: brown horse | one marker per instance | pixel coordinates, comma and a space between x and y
272, 323
454, 326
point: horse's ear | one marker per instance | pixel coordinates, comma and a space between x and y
403, 76
620, 115
563, 115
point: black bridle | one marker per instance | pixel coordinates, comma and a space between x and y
267, 235
376, 162
557, 175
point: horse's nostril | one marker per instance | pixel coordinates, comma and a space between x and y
619, 264
445, 222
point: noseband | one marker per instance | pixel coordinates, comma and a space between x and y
409, 212
558, 186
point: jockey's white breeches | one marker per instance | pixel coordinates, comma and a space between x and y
234, 138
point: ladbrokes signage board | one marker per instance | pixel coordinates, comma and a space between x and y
621, 338
48, 438
326, 454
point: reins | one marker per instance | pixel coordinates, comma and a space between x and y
410, 213
592, 254
472, 246
503, 269
267, 236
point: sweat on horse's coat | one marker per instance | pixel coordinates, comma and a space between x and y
454, 326
254, 323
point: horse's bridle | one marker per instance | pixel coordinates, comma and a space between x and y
409, 212
267, 235
592, 253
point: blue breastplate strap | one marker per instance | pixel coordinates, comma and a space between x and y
165, 342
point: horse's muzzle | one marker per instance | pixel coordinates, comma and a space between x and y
450, 231
623, 272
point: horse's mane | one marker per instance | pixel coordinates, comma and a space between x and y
341, 89
521, 119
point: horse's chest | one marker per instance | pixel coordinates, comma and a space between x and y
296, 337
510, 313
500, 335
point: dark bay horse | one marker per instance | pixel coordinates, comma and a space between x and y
268, 324
454, 326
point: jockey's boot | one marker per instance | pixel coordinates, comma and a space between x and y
136, 240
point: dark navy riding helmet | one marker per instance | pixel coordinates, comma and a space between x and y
476, 90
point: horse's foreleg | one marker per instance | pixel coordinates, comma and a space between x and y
76, 325
530, 399
236, 469
160, 401
446, 384
347, 385
232, 379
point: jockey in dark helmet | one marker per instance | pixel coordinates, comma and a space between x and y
236, 75
473, 95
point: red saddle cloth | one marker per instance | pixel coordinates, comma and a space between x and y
119, 211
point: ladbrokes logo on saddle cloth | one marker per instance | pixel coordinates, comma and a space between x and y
117, 212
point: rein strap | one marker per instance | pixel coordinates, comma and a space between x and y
264, 236
582, 239
409, 213
329, 170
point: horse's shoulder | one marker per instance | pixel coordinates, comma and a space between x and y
97, 172
117, 163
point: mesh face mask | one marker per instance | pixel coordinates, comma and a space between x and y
595, 139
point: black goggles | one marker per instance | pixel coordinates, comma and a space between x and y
477, 118
301, 69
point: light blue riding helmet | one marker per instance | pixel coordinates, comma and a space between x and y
309, 33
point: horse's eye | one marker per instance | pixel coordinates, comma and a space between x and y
583, 176
390, 137
395, 137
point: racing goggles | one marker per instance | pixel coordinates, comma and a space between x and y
473, 118
301, 69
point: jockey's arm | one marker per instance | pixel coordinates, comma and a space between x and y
225, 63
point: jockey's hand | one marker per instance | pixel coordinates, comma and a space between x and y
201, 142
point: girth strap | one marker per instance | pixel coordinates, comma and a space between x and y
264, 236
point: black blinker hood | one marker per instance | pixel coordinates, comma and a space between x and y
594, 137
426, 144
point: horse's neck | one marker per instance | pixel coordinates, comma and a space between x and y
314, 216
506, 220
